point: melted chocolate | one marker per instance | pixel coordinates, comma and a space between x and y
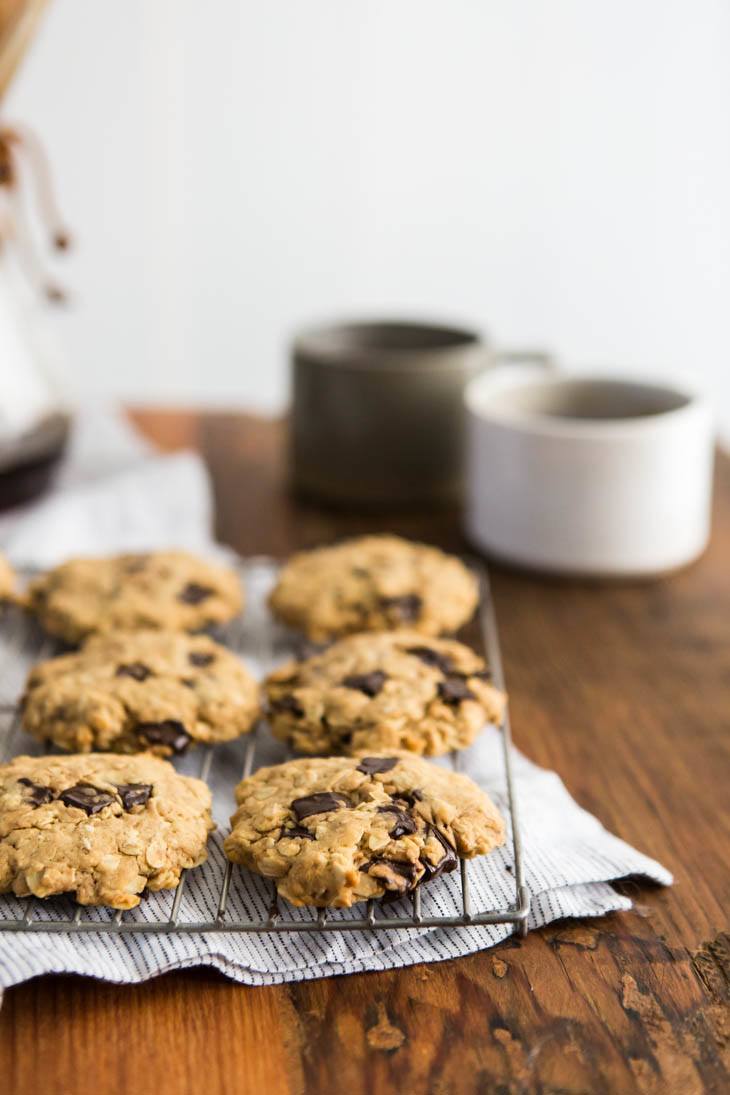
287, 704
84, 796
406, 870
194, 594
432, 657
369, 766
296, 830
200, 658
37, 795
448, 861
134, 794
409, 797
404, 823
369, 683
136, 670
170, 732
319, 803
454, 689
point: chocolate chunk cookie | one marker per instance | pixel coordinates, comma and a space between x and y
166, 589
137, 691
102, 828
384, 690
332, 831
375, 583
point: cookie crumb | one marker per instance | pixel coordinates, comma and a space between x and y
384, 1035
499, 968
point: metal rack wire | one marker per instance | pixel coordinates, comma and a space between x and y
26, 645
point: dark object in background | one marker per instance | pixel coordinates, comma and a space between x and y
378, 414
28, 465
377, 411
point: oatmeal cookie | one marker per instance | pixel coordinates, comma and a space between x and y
138, 691
172, 590
102, 828
375, 583
332, 831
384, 690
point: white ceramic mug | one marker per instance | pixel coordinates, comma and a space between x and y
594, 476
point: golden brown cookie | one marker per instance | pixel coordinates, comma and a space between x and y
172, 590
331, 831
136, 691
374, 583
384, 690
102, 828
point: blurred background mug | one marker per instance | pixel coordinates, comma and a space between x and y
588, 475
378, 410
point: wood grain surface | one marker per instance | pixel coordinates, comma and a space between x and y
625, 690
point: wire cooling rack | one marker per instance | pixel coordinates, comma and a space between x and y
254, 635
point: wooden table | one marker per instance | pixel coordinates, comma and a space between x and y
623, 689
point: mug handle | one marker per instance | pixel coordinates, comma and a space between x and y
502, 368
539, 359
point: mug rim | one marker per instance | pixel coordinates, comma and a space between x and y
327, 343
537, 423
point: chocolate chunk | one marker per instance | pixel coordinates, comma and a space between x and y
448, 861
432, 657
319, 803
200, 658
454, 689
37, 795
404, 823
194, 594
409, 797
84, 796
369, 766
404, 868
136, 670
287, 704
188, 682
296, 830
403, 609
134, 794
170, 732
369, 683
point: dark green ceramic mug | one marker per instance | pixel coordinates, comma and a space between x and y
378, 411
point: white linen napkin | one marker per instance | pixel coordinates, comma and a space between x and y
113, 493
569, 857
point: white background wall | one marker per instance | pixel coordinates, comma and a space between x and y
558, 173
